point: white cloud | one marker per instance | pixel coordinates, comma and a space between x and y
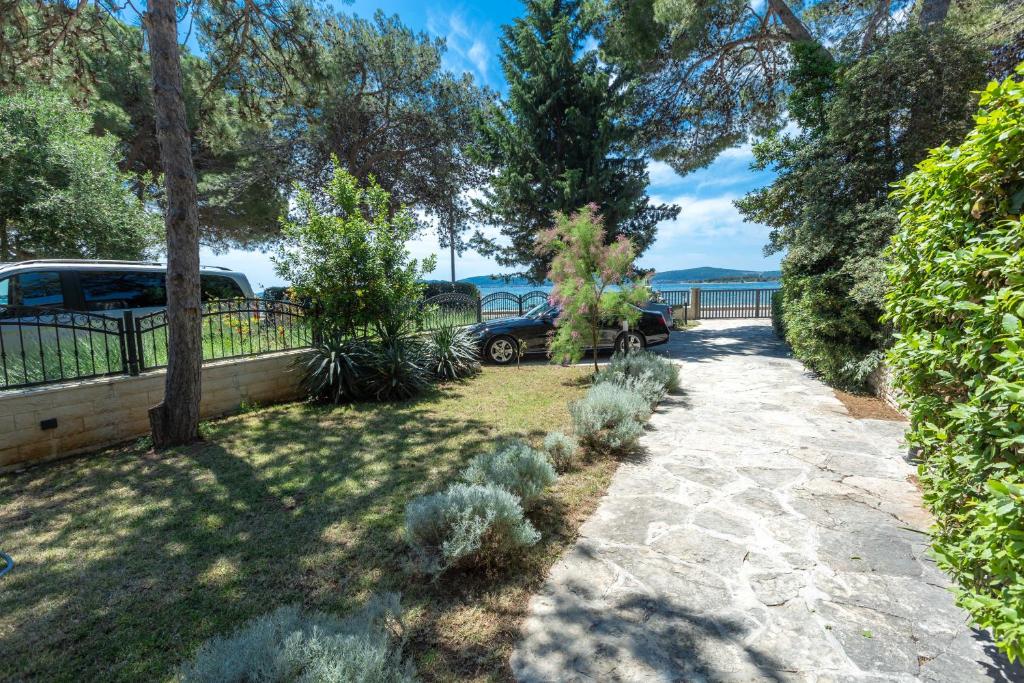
661, 174
467, 49
706, 217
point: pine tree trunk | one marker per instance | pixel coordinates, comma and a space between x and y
175, 421
933, 13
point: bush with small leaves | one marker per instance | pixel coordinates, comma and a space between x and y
517, 468
466, 525
637, 363
289, 644
609, 418
561, 450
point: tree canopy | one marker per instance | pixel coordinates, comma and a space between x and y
61, 193
561, 141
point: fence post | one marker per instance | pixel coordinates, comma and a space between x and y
479, 309
694, 303
128, 334
757, 303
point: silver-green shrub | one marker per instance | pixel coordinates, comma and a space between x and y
637, 363
645, 384
466, 525
289, 644
517, 468
609, 418
561, 450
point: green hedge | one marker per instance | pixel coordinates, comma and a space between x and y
957, 301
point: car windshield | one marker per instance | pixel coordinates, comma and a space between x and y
540, 310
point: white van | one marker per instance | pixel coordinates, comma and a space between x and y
106, 287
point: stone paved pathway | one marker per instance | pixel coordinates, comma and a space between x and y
765, 535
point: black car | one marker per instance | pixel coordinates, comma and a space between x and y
499, 339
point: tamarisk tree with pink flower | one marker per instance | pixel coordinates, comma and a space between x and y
594, 282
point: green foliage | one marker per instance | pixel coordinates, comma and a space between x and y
640, 363
609, 418
778, 320
562, 140
347, 254
561, 450
864, 124
517, 468
289, 645
435, 287
466, 525
395, 365
377, 94
61, 193
452, 353
334, 371
583, 269
956, 302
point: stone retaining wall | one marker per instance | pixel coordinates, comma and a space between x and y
101, 412
880, 381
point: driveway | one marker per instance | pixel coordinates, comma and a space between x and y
763, 535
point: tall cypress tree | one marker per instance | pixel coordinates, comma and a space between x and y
560, 141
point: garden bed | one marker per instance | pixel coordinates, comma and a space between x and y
127, 561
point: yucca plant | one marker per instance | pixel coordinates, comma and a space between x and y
452, 353
396, 362
335, 369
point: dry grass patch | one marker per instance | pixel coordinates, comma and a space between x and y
127, 561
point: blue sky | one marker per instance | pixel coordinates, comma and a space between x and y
708, 232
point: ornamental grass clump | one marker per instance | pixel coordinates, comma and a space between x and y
466, 525
956, 302
609, 418
561, 450
451, 353
289, 644
517, 468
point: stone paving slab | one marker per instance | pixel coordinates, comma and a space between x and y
764, 536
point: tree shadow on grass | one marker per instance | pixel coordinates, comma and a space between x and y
126, 564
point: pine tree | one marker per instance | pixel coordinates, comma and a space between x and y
560, 141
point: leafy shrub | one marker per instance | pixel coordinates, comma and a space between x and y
609, 417
645, 384
517, 468
561, 450
827, 333
291, 645
452, 353
466, 525
435, 287
956, 302
334, 370
639, 363
778, 320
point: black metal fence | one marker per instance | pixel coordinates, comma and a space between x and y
45, 346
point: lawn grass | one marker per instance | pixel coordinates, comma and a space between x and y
128, 560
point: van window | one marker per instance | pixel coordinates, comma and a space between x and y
37, 289
113, 290
219, 287
5, 287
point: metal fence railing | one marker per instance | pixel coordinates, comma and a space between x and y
46, 346
231, 328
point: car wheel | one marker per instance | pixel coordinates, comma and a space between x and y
502, 350
629, 342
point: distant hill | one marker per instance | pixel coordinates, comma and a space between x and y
702, 274
495, 280
710, 274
